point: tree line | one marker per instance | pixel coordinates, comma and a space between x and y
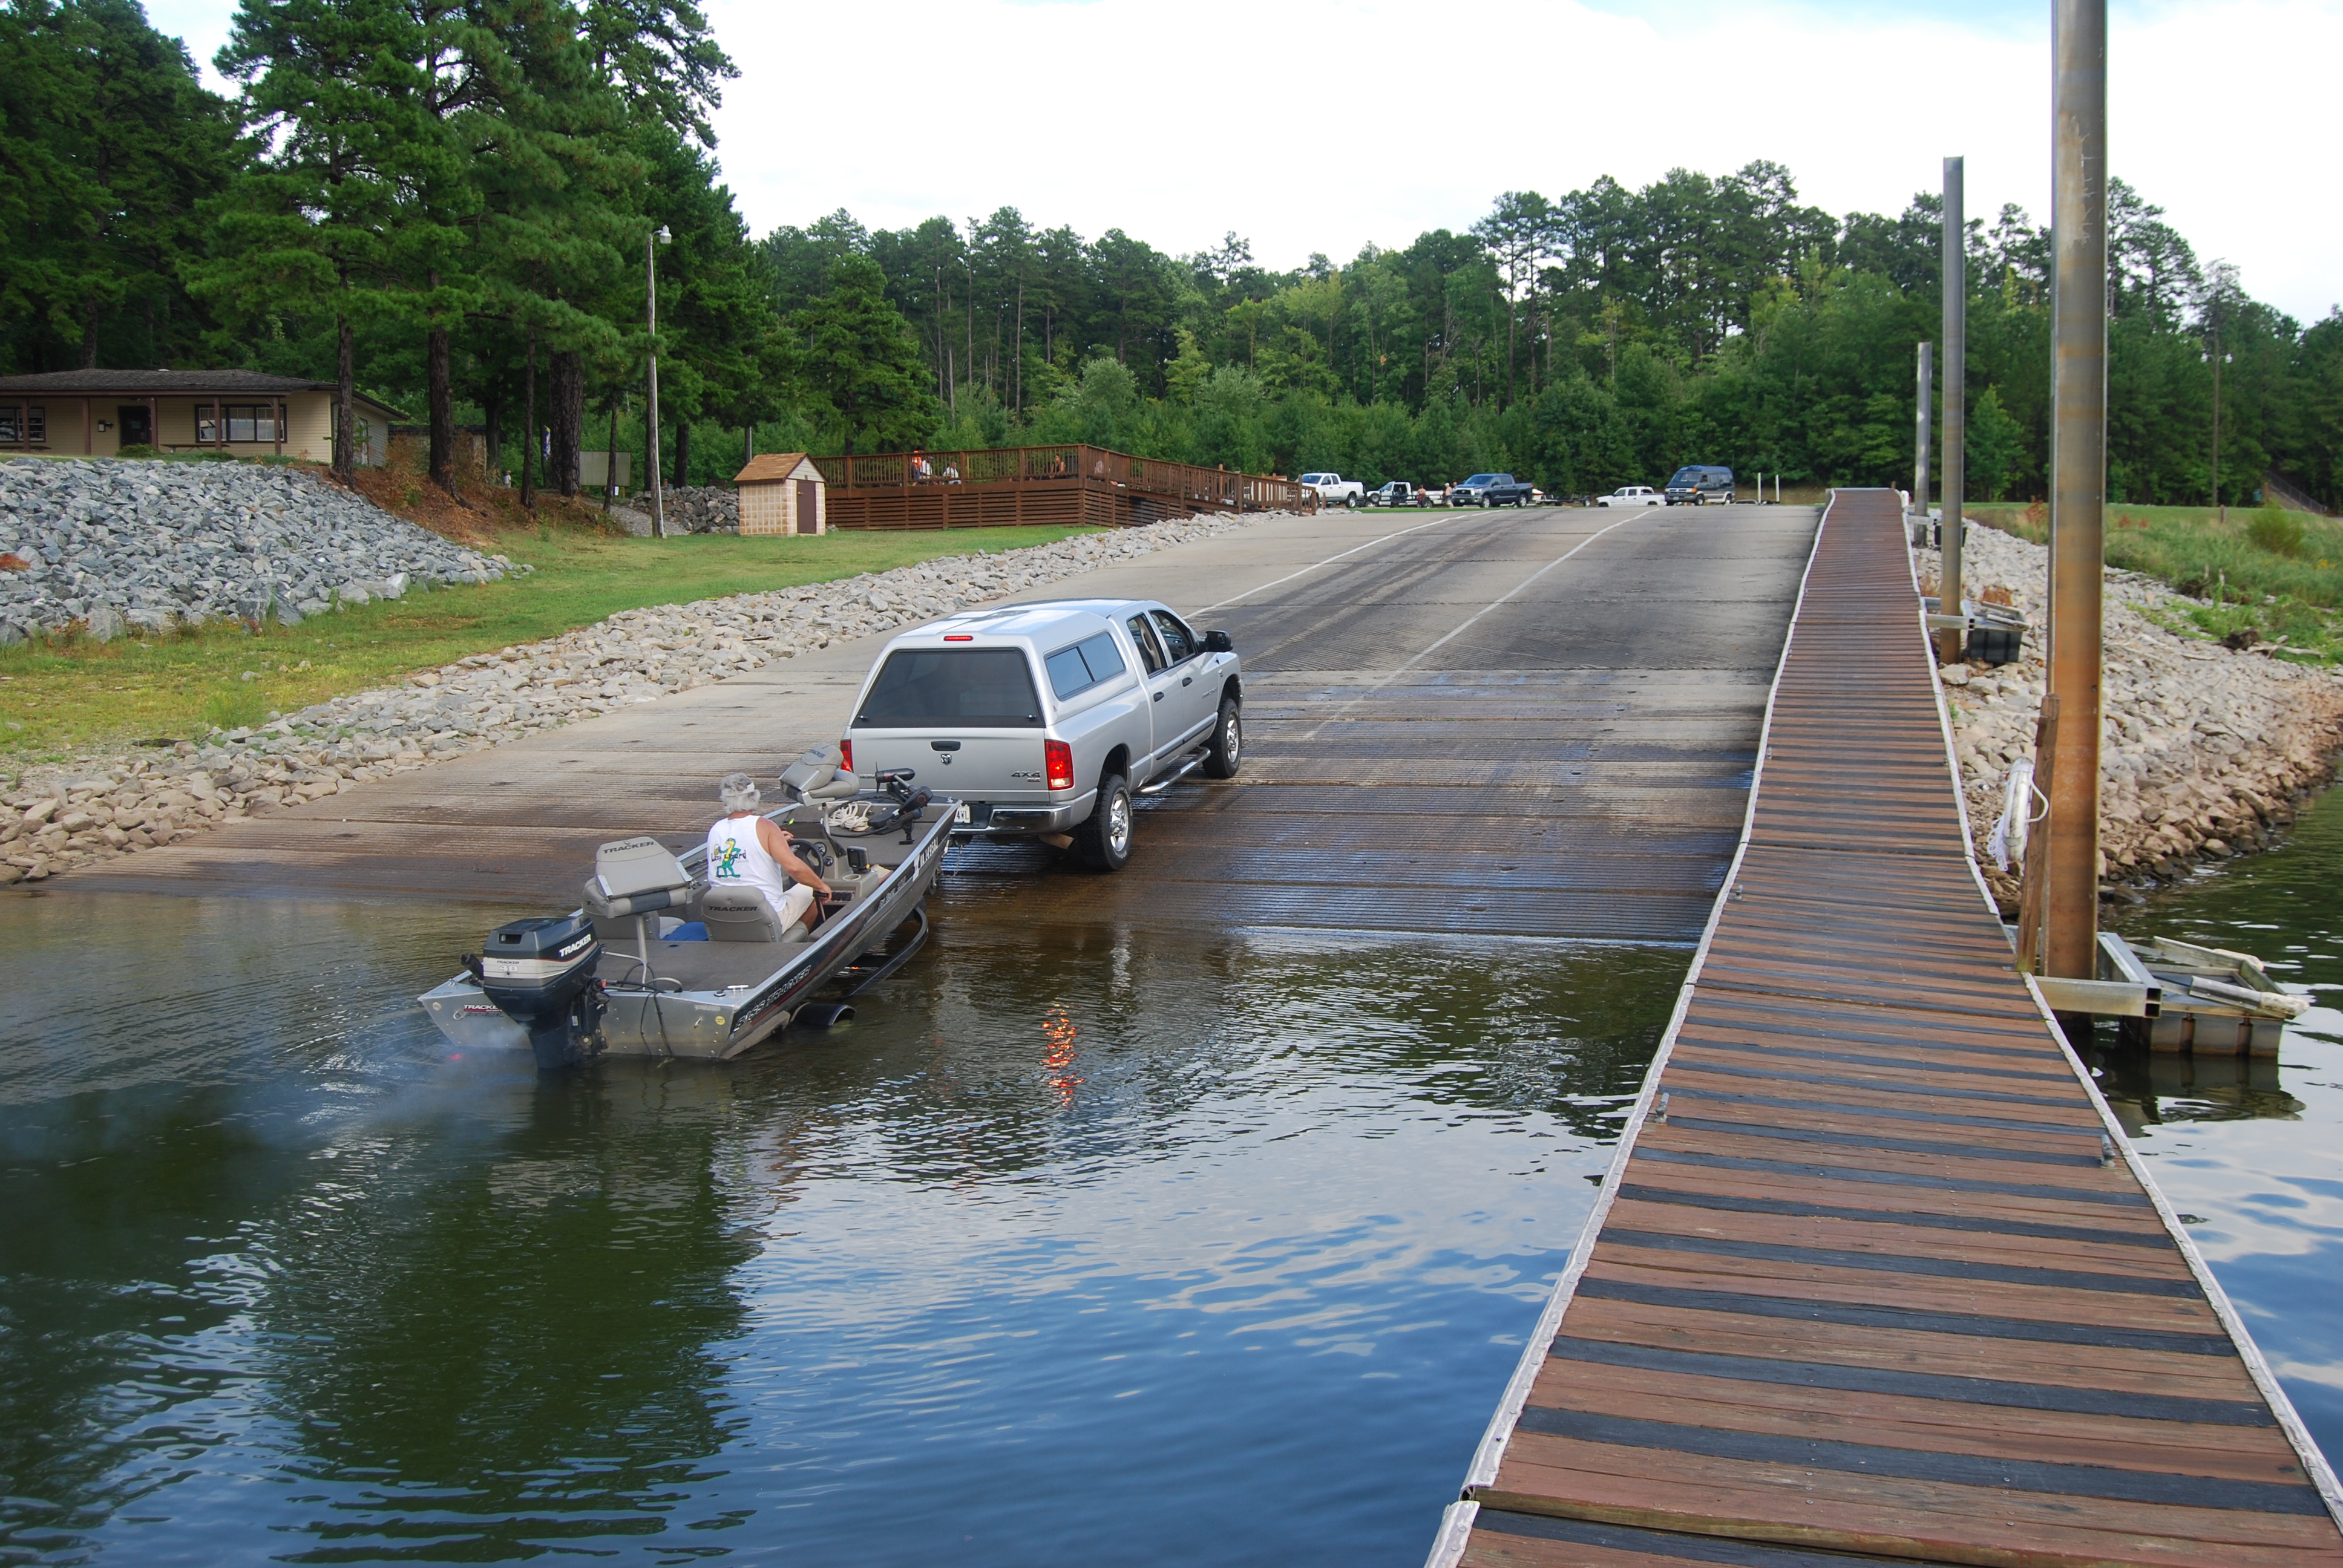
453, 202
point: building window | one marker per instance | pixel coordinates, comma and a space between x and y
245, 422
36, 422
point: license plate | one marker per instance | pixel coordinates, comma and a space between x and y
963, 814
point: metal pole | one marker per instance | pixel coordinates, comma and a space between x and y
2078, 471
651, 438
2217, 501
1955, 338
1922, 420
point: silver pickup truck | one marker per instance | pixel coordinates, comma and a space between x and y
1045, 720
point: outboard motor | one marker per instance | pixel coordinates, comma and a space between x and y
540, 974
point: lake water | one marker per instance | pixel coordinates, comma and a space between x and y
1163, 1248
2252, 1153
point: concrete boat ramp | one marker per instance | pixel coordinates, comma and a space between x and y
1576, 691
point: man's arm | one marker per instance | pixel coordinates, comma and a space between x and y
777, 844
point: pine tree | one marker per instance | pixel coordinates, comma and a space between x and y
314, 223
108, 148
859, 373
715, 322
557, 225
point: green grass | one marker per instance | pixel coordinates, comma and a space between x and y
2269, 572
60, 696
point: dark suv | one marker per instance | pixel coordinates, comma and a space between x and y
1694, 485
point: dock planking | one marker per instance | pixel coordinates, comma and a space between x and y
1875, 1276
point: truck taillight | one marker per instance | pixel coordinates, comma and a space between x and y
1057, 762
846, 756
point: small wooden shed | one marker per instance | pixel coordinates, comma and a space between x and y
782, 493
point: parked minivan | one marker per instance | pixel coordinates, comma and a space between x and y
1697, 485
1045, 720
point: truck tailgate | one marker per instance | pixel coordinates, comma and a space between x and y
1001, 768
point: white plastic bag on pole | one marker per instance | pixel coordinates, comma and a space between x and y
2007, 845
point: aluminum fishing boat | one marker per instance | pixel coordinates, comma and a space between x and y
657, 962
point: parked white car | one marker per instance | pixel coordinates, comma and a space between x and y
1333, 490
1632, 495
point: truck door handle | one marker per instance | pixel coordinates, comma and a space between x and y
1159, 697
1187, 680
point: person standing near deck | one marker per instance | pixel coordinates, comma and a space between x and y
745, 850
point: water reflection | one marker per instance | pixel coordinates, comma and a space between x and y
2248, 1150
2149, 1088
1081, 1244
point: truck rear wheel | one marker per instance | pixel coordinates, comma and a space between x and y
1104, 841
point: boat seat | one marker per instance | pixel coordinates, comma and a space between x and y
820, 774
637, 877
739, 914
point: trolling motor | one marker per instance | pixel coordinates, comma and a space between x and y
908, 802
539, 973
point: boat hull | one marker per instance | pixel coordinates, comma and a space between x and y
693, 1018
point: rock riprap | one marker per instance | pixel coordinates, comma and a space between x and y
2205, 750
695, 509
105, 806
120, 545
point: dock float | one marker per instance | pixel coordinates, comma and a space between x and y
1876, 1274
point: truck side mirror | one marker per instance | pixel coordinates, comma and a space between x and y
1218, 642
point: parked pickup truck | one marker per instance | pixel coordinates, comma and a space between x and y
1490, 490
1632, 495
1045, 720
1398, 493
1333, 490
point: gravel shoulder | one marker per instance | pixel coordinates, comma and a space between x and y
2207, 753
103, 807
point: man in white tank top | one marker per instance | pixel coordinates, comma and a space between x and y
744, 851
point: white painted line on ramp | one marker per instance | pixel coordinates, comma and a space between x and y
1314, 565
1466, 624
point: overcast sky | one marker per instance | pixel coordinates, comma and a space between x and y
1326, 124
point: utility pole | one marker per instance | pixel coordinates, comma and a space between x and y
2218, 356
1955, 338
2078, 475
651, 432
1922, 421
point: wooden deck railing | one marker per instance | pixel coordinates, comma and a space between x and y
1009, 485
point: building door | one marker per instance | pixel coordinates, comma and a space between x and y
131, 425
808, 506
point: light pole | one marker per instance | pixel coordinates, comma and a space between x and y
651, 436
2218, 359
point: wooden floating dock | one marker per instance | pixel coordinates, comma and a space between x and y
1875, 1271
